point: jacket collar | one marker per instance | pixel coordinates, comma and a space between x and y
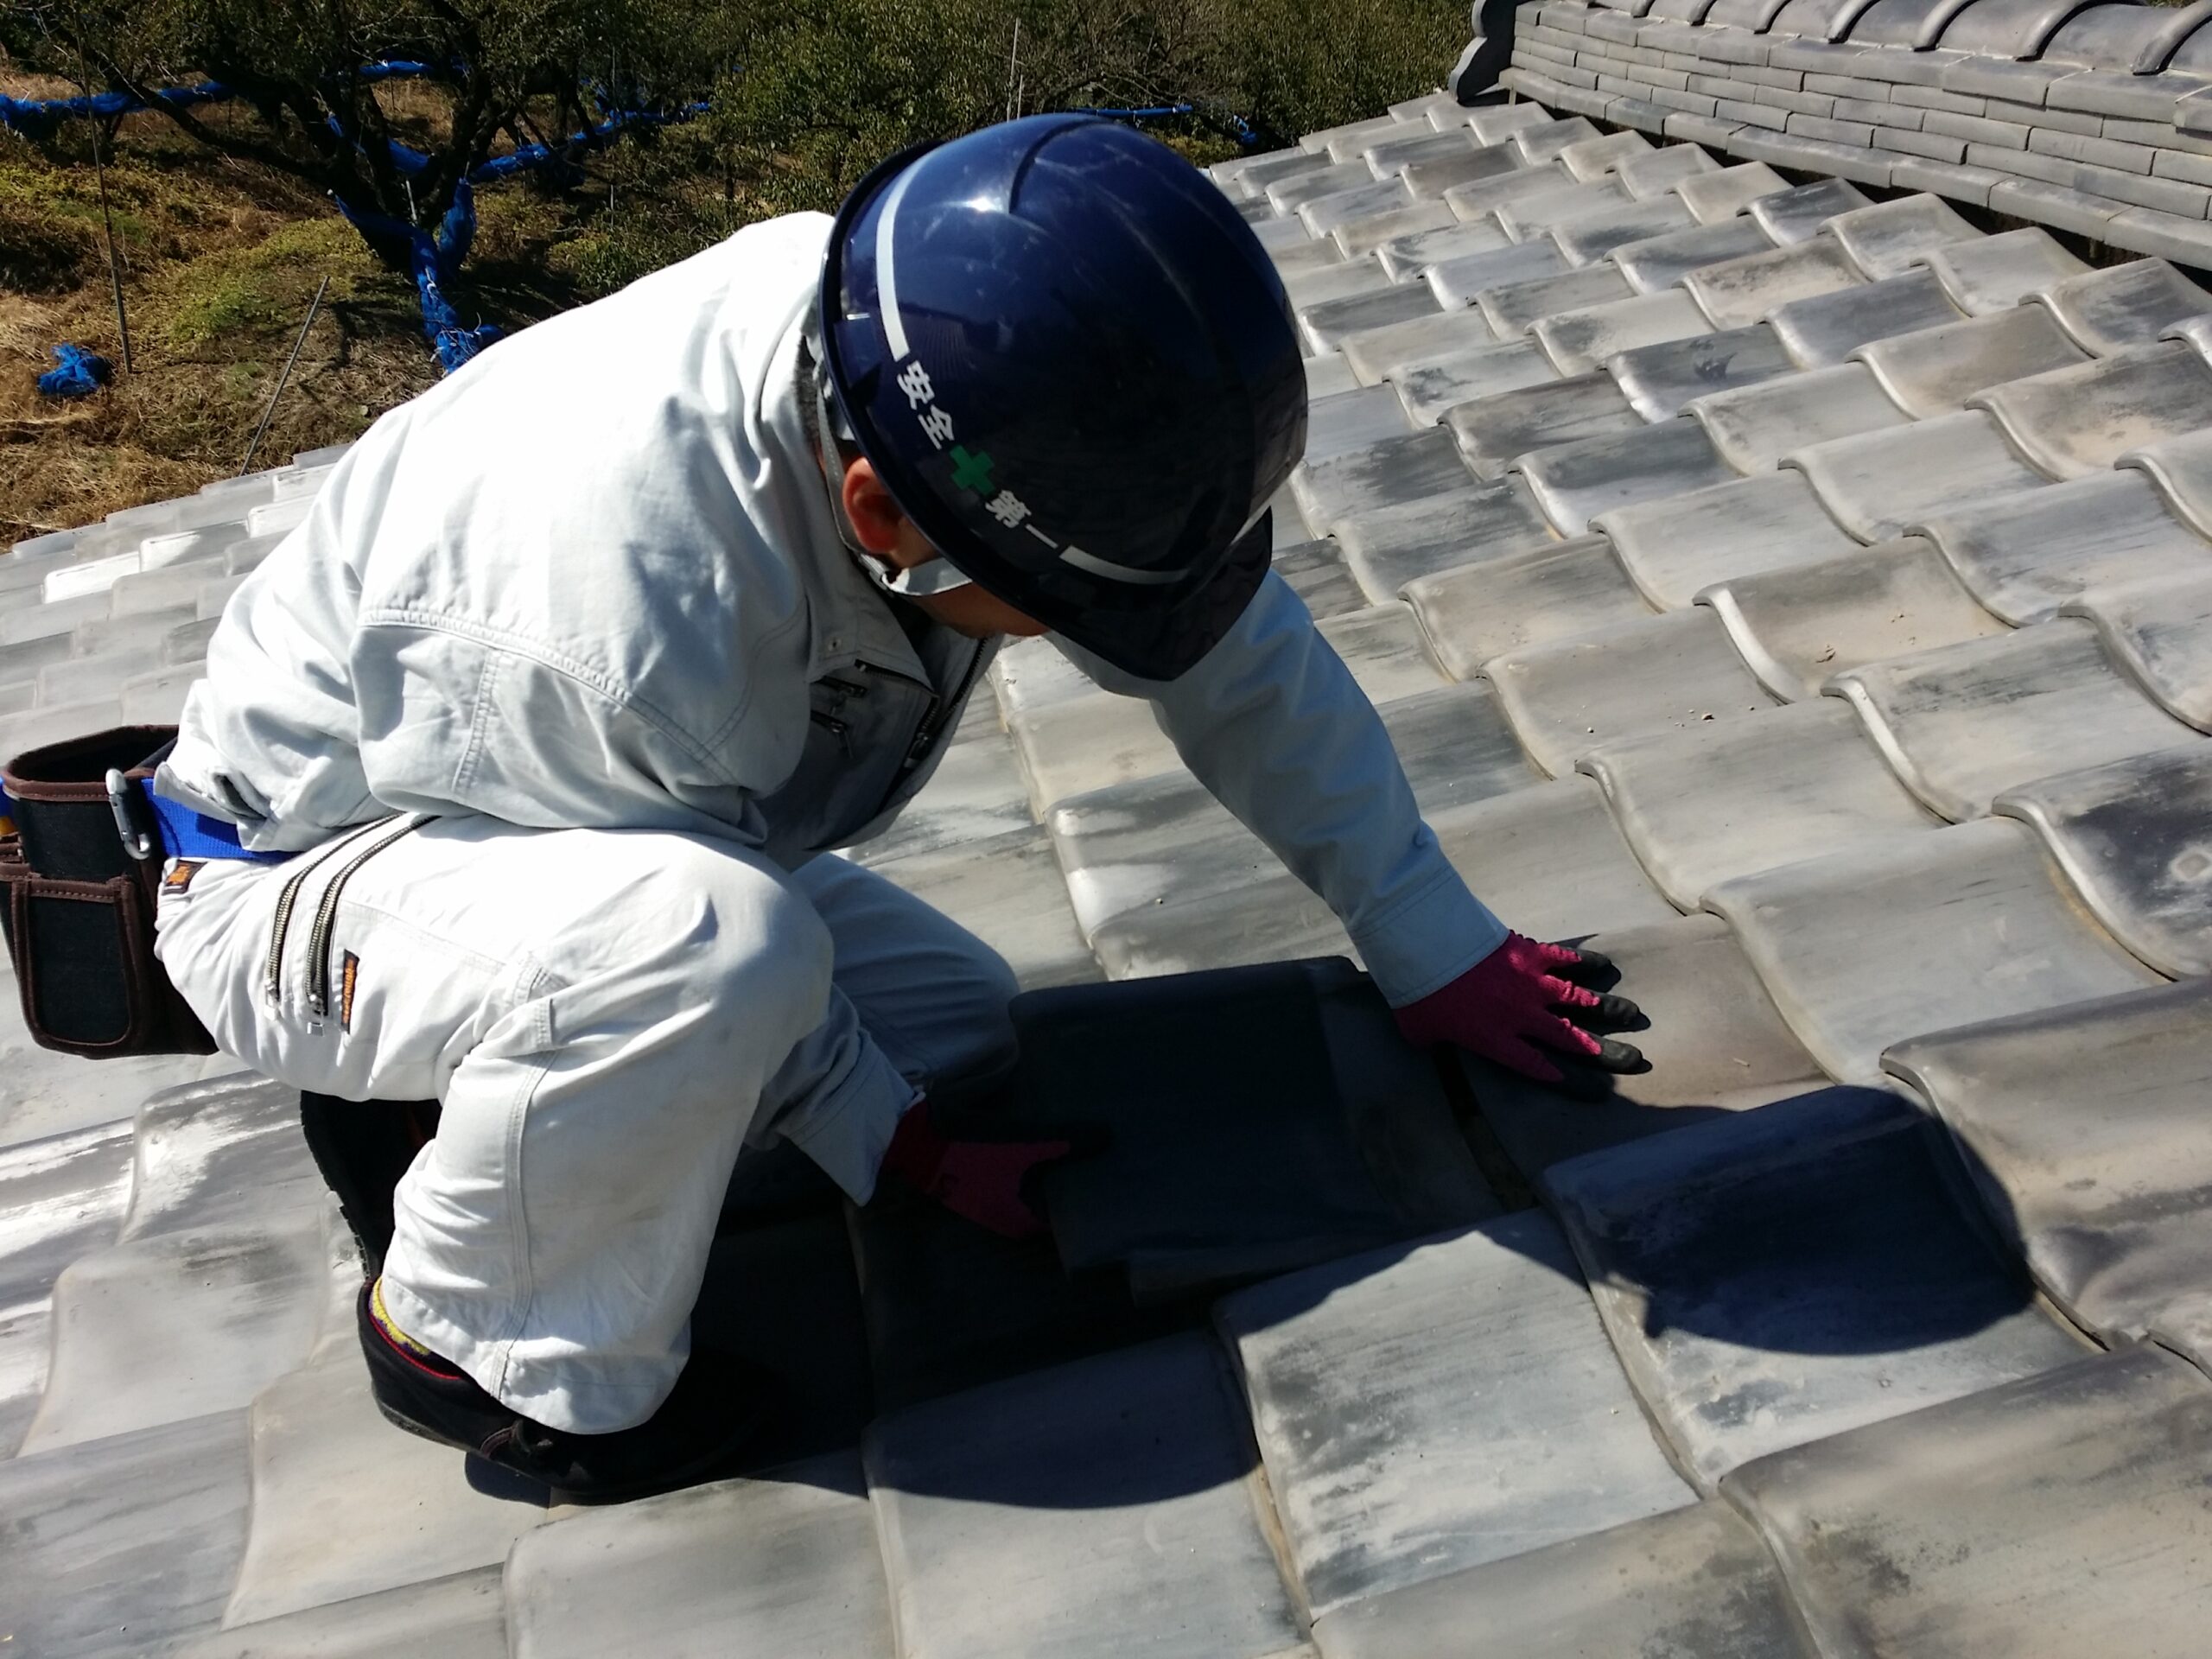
849, 617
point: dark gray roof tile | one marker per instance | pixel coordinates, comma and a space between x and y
2047, 1517
1778, 1276
1866, 947
1428, 1409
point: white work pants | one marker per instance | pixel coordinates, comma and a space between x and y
609, 1018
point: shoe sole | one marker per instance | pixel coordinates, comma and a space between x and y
684, 1475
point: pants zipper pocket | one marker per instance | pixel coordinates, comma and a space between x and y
272, 972
326, 917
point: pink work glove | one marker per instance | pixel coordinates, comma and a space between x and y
1528, 1006
982, 1180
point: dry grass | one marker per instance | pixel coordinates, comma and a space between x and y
220, 262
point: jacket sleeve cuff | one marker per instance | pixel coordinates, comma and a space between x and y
1427, 939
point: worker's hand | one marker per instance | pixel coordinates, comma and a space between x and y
984, 1180
1528, 1007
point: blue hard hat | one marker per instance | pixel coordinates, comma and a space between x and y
1073, 366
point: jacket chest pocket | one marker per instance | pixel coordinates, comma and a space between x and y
859, 726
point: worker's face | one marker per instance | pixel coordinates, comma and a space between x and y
889, 535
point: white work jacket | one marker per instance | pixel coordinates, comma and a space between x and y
593, 581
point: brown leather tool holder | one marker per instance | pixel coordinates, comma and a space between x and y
78, 882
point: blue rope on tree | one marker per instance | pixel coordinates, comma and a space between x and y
1238, 126
41, 117
77, 373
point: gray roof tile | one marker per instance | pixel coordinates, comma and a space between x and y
2106, 311
1383, 474
1657, 380
1716, 1044
2075, 423
122, 1544
1407, 256
1799, 625
2024, 555
783, 1564
1511, 308
1674, 548
1710, 802
1905, 936
1696, 1580
1386, 549
1496, 431
1574, 483
1755, 426
1567, 696
1428, 1409
1878, 482
1962, 722
1377, 354
2129, 836
1361, 235
1824, 330
1457, 280
1098, 1509
1659, 262
345, 1506
1999, 271
1716, 196
1472, 613
1325, 323
1592, 236
1739, 291
2101, 1189
461, 1616
1580, 339
1779, 1276
2045, 1518
1431, 389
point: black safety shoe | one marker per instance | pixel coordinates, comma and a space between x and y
721, 1404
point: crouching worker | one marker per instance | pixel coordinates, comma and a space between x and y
536, 735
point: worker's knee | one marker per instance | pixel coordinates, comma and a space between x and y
708, 926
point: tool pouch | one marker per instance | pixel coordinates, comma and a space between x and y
78, 882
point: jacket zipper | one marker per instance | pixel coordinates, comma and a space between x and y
288, 896
940, 714
326, 917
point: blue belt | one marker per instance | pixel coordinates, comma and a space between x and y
185, 832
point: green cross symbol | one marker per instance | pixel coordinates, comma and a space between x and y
971, 472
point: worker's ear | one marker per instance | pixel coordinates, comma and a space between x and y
876, 518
